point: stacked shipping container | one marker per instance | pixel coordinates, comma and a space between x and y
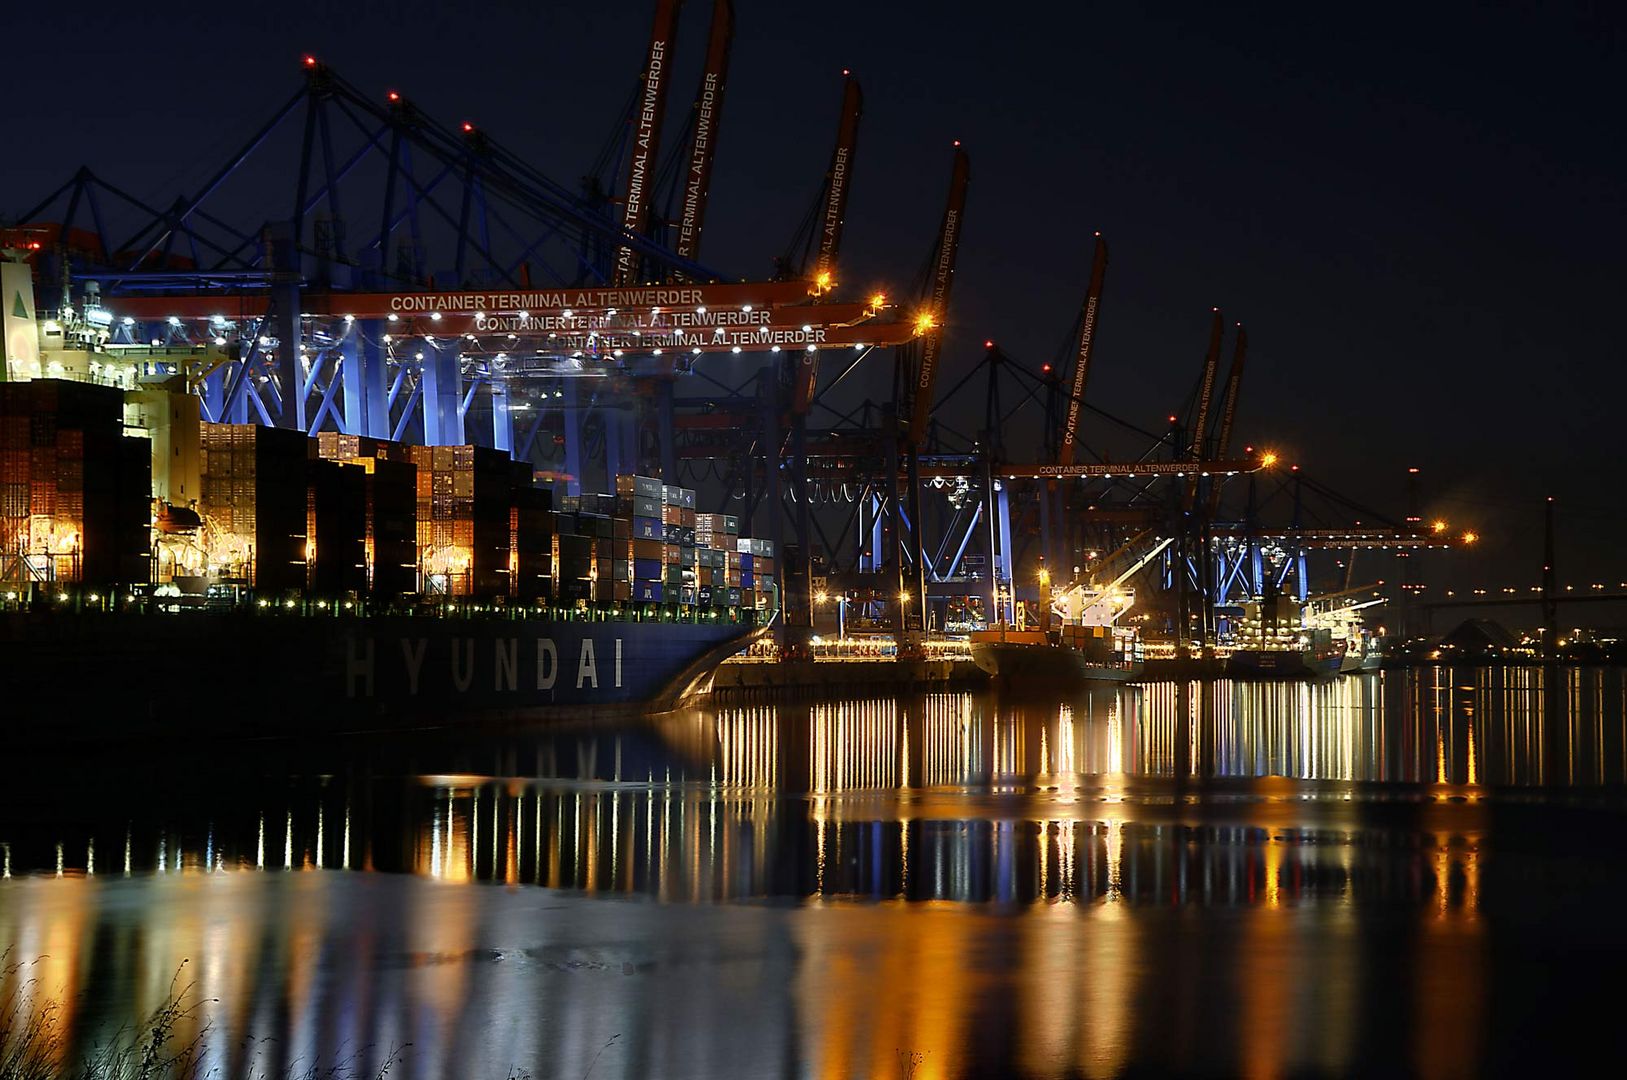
256, 493
346, 514
75, 493
464, 526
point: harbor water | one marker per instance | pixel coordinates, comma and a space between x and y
1402, 873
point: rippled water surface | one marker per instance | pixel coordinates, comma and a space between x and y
1400, 873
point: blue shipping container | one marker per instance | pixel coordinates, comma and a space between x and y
646, 528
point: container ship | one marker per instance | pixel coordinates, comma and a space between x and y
1273, 640
159, 573
1077, 641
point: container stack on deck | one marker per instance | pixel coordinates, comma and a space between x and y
717, 537
757, 572
389, 508
639, 500
531, 538
464, 526
256, 493
75, 492
343, 515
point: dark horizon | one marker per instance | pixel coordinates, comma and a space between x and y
1409, 215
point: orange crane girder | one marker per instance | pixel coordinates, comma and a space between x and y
943, 278
1081, 362
708, 108
639, 188
838, 182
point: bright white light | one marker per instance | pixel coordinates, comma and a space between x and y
525, 314
697, 350
774, 348
393, 316
350, 318
658, 352
128, 321
386, 339
745, 307
810, 348
807, 329
265, 341
735, 349
701, 310
173, 321
418, 356
568, 313
434, 316
618, 352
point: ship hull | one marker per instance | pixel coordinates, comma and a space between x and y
240, 674
1282, 664
1044, 665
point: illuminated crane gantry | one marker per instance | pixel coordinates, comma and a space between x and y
426, 283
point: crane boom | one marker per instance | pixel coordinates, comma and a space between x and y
1206, 395
838, 182
1081, 362
1135, 567
832, 212
707, 111
1206, 388
1228, 407
647, 113
937, 300
1234, 382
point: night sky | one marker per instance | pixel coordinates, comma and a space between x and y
1417, 212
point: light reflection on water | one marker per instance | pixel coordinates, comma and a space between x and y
1234, 878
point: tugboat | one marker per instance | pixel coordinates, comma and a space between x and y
1077, 641
1274, 642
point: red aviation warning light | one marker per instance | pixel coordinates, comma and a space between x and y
310, 61
467, 127
393, 96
